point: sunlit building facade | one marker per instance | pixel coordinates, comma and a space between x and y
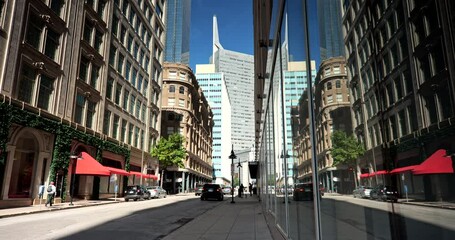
185, 110
81, 76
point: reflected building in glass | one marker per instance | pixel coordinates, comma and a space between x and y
330, 32
397, 90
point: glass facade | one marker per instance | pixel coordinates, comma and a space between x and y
371, 153
178, 20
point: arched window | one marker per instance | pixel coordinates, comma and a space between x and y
172, 88
182, 90
338, 84
329, 85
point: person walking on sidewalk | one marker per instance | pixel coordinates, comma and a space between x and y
51, 189
241, 188
250, 189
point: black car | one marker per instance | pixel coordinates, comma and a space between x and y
384, 193
136, 192
303, 191
211, 190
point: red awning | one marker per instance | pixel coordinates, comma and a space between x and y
381, 172
437, 163
403, 169
89, 166
364, 175
118, 171
138, 174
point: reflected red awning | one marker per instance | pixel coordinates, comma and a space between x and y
364, 175
403, 169
89, 166
381, 172
437, 163
118, 171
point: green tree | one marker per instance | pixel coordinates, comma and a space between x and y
170, 151
345, 149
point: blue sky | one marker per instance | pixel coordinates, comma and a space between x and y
235, 27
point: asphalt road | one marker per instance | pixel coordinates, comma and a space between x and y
149, 219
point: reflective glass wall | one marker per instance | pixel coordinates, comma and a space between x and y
359, 145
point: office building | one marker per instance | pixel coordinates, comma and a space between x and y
237, 69
214, 87
330, 31
178, 22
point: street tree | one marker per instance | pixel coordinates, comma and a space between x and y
345, 149
170, 152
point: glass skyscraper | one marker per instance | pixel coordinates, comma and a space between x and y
330, 35
178, 22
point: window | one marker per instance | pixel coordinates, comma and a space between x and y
55, 5
181, 90
106, 121
170, 130
115, 22
94, 76
35, 89
130, 133
329, 85
120, 63
83, 68
330, 99
115, 126
125, 99
338, 84
339, 97
112, 53
79, 110
172, 88
181, 102
91, 110
118, 93
336, 70
132, 103
123, 134
171, 102
42, 38
138, 109
109, 87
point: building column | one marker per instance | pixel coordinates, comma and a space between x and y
8, 168
331, 181
183, 182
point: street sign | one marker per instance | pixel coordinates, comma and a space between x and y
113, 178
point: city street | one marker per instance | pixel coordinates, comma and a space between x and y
149, 219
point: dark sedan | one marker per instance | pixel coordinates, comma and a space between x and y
211, 190
384, 193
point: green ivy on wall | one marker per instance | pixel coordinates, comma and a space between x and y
64, 134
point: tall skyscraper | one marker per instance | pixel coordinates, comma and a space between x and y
238, 70
330, 34
214, 87
178, 19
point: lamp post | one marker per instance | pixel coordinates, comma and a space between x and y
239, 165
232, 157
73, 178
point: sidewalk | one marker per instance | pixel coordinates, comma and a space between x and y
10, 212
243, 219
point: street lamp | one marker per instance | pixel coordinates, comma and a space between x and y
232, 157
73, 178
240, 178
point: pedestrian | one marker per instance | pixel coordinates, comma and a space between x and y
241, 188
250, 189
51, 189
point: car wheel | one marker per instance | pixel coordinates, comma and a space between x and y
135, 199
126, 200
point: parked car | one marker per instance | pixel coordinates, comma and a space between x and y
198, 190
157, 192
384, 193
136, 192
226, 190
211, 190
362, 192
